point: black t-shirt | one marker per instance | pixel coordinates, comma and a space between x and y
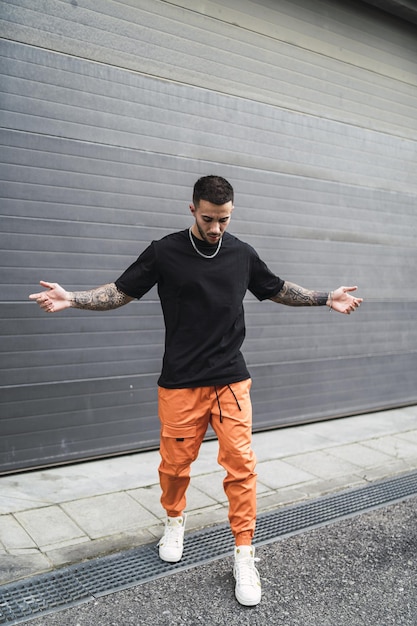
202, 304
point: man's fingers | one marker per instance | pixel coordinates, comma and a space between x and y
42, 294
356, 301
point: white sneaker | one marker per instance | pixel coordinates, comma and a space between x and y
248, 584
171, 542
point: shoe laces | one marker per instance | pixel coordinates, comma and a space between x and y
246, 572
172, 534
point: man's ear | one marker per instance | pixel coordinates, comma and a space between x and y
192, 209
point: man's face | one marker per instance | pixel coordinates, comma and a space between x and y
211, 220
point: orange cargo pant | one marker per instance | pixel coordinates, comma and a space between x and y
185, 415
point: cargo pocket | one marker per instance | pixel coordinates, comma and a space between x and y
179, 442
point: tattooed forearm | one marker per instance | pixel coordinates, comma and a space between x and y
294, 295
102, 298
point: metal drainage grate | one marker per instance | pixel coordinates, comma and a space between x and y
46, 593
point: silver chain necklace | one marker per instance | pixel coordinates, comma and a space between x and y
206, 256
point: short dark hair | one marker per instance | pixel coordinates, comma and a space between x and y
214, 189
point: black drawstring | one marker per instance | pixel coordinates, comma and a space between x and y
218, 404
234, 395
218, 401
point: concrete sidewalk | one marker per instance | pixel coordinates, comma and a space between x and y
55, 517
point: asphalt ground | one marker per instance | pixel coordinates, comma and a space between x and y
360, 571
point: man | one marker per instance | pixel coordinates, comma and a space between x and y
202, 276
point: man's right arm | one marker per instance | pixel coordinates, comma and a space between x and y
102, 298
56, 298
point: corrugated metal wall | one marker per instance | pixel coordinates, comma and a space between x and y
111, 110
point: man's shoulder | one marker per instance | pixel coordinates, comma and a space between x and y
236, 242
171, 238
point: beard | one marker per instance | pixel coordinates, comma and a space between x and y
205, 237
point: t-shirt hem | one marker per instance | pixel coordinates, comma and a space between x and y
218, 382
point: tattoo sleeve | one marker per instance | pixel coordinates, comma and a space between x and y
294, 295
102, 298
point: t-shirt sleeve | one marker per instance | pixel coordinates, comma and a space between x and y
141, 276
263, 283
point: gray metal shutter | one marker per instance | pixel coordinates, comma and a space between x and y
109, 113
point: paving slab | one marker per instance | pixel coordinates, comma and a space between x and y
212, 485
13, 535
368, 426
11, 501
361, 455
410, 435
15, 567
109, 514
206, 463
63, 484
198, 499
125, 472
277, 474
322, 464
202, 518
395, 446
394, 468
50, 525
150, 498
77, 553
282, 443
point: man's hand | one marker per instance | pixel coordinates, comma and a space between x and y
341, 301
53, 300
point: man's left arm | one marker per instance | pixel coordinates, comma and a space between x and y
339, 300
